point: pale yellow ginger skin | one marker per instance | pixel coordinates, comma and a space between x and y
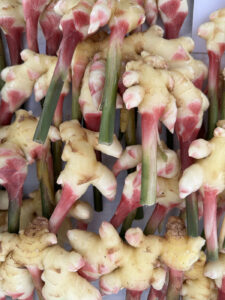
132, 156
80, 210
216, 270
107, 241
196, 286
60, 277
151, 41
214, 31
169, 90
34, 247
85, 99
4, 200
36, 72
14, 279
12, 151
180, 251
21, 132
209, 169
14, 9
65, 9
82, 167
108, 255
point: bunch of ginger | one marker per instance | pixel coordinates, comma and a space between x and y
126, 69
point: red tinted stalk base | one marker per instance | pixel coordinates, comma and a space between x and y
210, 222
66, 201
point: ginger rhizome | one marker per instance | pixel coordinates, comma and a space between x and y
17, 151
214, 34
13, 25
173, 14
82, 168
196, 285
167, 196
207, 175
35, 73
172, 98
34, 250
111, 258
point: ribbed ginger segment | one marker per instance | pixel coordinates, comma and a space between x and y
173, 14
196, 285
112, 257
36, 72
13, 24
82, 168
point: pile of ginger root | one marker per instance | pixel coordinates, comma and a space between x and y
129, 114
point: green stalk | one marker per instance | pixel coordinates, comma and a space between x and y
67, 47
192, 215
46, 187
49, 107
76, 112
213, 112
2, 61
14, 216
213, 81
140, 213
110, 93
191, 201
113, 65
127, 223
149, 125
57, 163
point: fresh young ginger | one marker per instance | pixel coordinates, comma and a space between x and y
33, 250
32, 10
207, 175
112, 258
173, 14
31, 208
13, 25
82, 168
172, 98
17, 150
214, 34
196, 285
35, 73
49, 21
168, 171
216, 271
175, 52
